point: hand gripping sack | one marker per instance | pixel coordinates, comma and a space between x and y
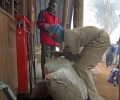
63, 82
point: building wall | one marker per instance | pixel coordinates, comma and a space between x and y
8, 66
8, 59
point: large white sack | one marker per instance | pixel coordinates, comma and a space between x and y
63, 82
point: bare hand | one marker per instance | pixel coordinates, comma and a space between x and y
56, 54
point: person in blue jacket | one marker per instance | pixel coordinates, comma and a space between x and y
109, 55
115, 55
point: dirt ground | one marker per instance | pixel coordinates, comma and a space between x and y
105, 89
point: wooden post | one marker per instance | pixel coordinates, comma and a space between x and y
78, 13
12, 8
24, 8
64, 19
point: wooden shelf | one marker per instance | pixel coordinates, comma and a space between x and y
13, 7
18, 4
7, 2
16, 11
3, 3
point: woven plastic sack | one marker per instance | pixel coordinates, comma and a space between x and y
63, 82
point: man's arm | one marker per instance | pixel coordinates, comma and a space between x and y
66, 54
41, 20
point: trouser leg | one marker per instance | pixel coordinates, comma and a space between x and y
116, 60
110, 60
89, 59
46, 52
107, 60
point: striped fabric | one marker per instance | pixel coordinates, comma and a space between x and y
56, 28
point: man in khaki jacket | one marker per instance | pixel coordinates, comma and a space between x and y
95, 42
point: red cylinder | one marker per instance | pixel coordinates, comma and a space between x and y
21, 47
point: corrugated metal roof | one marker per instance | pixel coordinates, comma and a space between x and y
43, 4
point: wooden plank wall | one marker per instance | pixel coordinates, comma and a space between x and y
8, 66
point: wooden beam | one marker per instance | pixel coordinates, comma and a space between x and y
24, 7
64, 19
65, 13
78, 13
